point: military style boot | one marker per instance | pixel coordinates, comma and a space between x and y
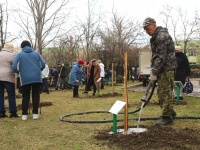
164, 121
174, 114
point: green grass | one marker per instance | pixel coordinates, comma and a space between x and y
50, 133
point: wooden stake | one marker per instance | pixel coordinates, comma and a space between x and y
125, 93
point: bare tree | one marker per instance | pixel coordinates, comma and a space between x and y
3, 22
71, 48
89, 28
5, 36
184, 28
166, 14
170, 21
121, 37
189, 28
44, 21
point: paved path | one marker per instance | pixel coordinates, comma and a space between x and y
196, 87
195, 93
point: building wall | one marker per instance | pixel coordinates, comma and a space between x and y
194, 59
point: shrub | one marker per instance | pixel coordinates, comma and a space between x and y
119, 79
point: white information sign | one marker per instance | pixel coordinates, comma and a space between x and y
118, 105
99, 80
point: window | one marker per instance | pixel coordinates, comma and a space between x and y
192, 52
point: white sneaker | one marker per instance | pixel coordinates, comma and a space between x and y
24, 117
35, 116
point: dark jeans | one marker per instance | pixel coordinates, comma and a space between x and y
75, 91
62, 83
26, 97
91, 83
10, 88
102, 82
44, 83
55, 80
86, 82
19, 85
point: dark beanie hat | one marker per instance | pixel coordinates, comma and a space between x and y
25, 43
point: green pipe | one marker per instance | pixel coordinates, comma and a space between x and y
114, 123
178, 92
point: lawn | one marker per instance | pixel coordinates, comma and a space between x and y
48, 132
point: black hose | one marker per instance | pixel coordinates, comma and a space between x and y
62, 118
119, 120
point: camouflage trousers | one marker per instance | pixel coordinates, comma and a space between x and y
165, 92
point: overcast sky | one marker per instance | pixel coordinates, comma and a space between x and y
137, 9
141, 9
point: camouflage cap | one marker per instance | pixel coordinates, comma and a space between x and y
148, 21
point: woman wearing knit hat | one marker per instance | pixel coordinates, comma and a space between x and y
7, 80
29, 64
76, 76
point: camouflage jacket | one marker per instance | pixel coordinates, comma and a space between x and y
163, 53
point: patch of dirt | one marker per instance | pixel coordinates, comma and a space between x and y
106, 95
110, 95
181, 102
157, 137
42, 104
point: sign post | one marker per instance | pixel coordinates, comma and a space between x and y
114, 123
115, 109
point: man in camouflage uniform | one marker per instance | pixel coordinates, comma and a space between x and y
163, 63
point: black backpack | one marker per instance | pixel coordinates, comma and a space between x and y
188, 88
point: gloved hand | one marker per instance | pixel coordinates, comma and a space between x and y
62, 64
152, 78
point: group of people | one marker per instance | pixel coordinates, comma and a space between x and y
32, 70
168, 63
28, 64
59, 75
94, 74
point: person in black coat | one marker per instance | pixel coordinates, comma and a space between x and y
183, 69
54, 72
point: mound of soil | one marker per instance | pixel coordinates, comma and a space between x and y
111, 95
157, 137
107, 95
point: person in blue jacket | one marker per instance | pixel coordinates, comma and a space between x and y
29, 64
76, 76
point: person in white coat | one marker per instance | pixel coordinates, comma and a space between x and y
102, 74
45, 75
